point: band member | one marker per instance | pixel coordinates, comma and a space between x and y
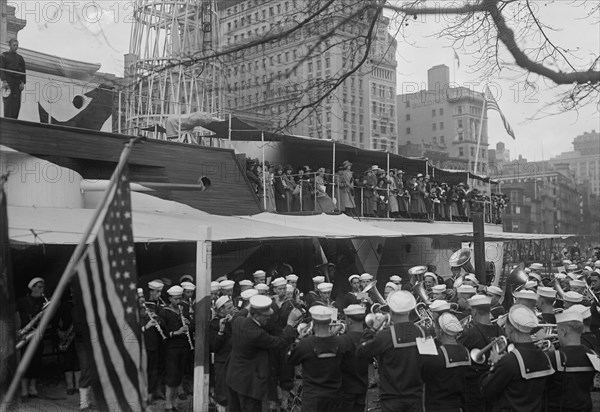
478, 334
355, 370
153, 337
249, 376
444, 375
292, 280
395, 347
350, 298
313, 295
396, 279
438, 292
226, 287
365, 279
214, 291
219, 339
279, 290
463, 294
325, 289
517, 379
571, 298
320, 355
66, 343
496, 309
244, 302
568, 390
588, 338
526, 298
260, 276
177, 345
456, 272
389, 288
28, 307
438, 307
546, 303
262, 288
189, 297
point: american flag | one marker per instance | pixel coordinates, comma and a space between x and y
493, 104
107, 281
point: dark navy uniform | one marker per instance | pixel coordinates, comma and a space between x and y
568, 390
476, 336
220, 345
346, 299
28, 307
444, 376
518, 380
176, 346
400, 382
355, 376
153, 342
321, 360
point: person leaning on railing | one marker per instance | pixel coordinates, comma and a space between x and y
12, 73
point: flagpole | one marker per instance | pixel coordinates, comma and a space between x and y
65, 279
480, 132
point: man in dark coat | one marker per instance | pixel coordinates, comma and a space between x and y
12, 73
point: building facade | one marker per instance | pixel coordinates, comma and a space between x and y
311, 69
447, 120
584, 160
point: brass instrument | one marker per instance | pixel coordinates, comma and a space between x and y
462, 259
515, 278
417, 272
464, 322
589, 294
419, 290
546, 331
304, 329
371, 317
186, 322
479, 356
153, 317
380, 303
546, 344
337, 327
26, 333
425, 316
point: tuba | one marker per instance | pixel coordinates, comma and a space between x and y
379, 301
461, 259
371, 317
417, 272
516, 278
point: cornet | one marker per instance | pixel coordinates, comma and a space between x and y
479, 356
425, 316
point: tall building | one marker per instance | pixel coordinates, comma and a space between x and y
275, 78
584, 161
445, 120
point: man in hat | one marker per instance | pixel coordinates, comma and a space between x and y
396, 279
28, 307
365, 279
355, 370
320, 355
516, 379
260, 276
588, 338
445, 374
226, 287
249, 376
527, 298
12, 73
546, 303
395, 348
496, 309
569, 388
219, 341
325, 289
179, 331
389, 288
571, 298
346, 185
438, 292
477, 334
313, 295
153, 338
463, 294
351, 297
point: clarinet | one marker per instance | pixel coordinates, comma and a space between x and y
152, 316
184, 322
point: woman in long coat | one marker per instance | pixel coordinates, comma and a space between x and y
369, 192
346, 190
324, 202
393, 199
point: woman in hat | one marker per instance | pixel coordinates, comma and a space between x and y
291, 189
305, 195
382, 197
346, 189
393, 197
403, 195
369, 184
280, 188
265, 188
324, 203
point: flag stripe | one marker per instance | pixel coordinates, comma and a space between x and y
493, 104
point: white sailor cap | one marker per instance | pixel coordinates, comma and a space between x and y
246, 282
535, 276
472, 278
526, 294
466, 289
439, 306
289, 288
522, 318
186, 278
431, 275
560, 276
366, 276
291, 278
33, 281
572, 297
597, 264
226, 284
354, 310
530, 284
320, 313
279, 282
248, 293
156, 285
577, 283
259, 274
438, 288
260, 302
536, 266
480, 300
396, 279
494, 290
214, 286
585, 311
352, 277
221, 301
401, 301
261, 286
546, 292
325, 287
569, 315
391, 285
527, 270
318, 279
450, 324
566, 262
188, 286
572, 267
175, 291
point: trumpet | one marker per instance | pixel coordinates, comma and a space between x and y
337, 327
546, 344
186, 322
479, 356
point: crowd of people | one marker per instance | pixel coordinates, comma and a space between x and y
440, 344
374, 193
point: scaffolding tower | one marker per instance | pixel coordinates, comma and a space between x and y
169, 65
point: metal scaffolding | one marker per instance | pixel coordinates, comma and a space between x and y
169, 66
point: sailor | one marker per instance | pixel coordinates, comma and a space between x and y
313, 295
214, 291
496, 309
546, 303
588, 338
226, 287
444, 375
438, 307
396, 279
260, 276
395, 347
262, 288
463, 294
350, 298
571, 298
320, 355
219, 341
325, 289
438, 292
365, 279
517, 379
389, 288
527, 298
245, 284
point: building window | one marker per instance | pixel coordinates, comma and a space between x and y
441, 111
472, 152
407, 104
441, 125
460, 124
408, 130
461, 152
434, 126
434, 140
442, 140
460, 136
408, 117
459, 110
433, 113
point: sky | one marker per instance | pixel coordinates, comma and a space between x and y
99, 32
